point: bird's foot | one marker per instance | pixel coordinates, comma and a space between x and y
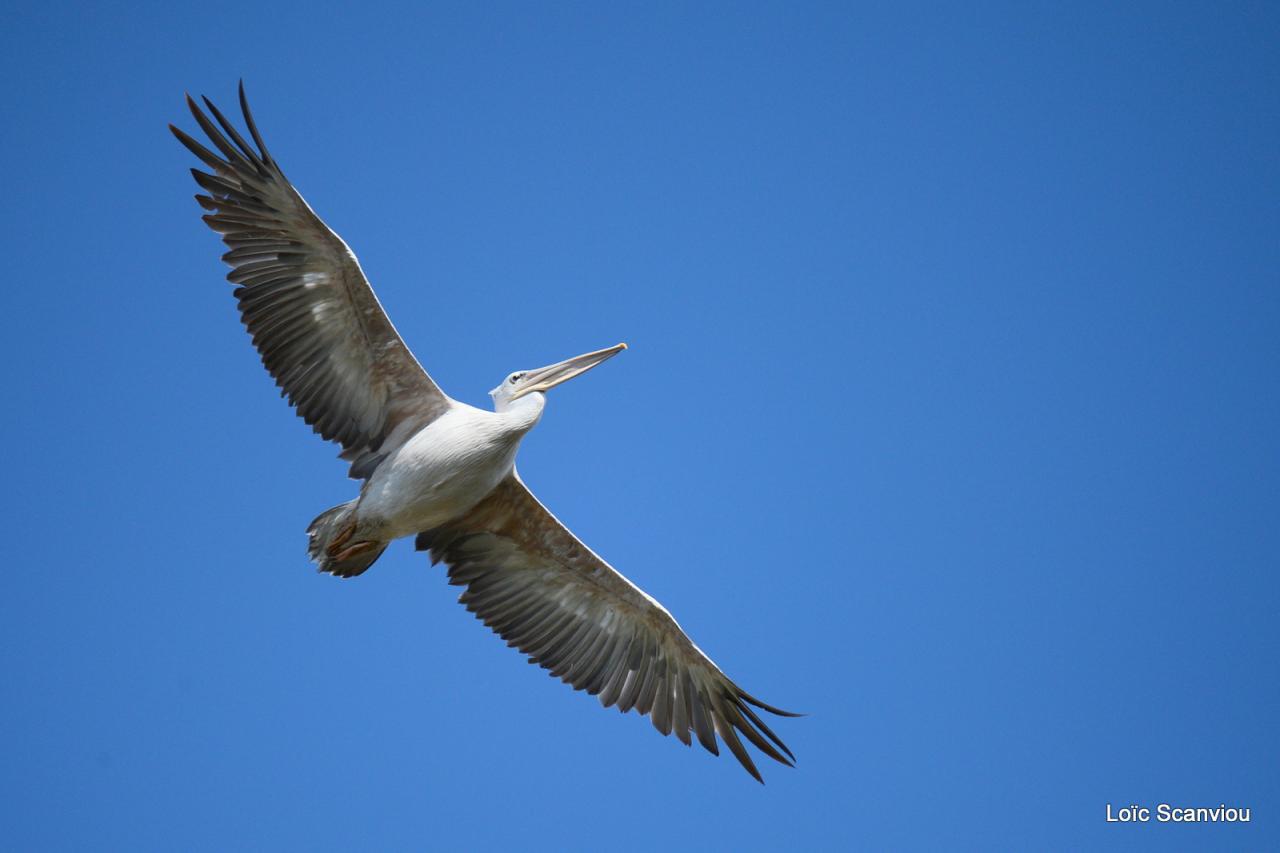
336, 543
355, 550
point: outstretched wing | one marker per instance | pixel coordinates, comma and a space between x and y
535, 584
313, 316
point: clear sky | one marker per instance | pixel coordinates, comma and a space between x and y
950, 418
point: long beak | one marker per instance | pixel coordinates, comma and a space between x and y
546, 378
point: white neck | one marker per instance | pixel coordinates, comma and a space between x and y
522, 413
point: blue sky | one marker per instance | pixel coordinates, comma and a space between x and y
950, 418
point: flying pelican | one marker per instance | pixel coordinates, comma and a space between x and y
444, 471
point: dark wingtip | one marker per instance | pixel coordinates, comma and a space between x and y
768, 732
206, 156
245, 153
764, 706
253, 128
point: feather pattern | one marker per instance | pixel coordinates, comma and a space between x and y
542, 590
312, 315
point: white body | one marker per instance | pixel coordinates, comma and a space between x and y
445, 469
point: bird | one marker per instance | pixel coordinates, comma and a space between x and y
442, 471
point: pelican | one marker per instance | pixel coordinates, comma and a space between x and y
442, 471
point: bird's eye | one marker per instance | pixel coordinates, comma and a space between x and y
515, 377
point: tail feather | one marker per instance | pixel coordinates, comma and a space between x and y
331, 547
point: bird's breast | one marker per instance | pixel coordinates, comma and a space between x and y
438, 474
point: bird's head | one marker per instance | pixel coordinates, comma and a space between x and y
543, 379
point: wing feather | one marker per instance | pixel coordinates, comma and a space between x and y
308, 308
536, 585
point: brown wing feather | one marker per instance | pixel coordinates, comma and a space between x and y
313, 317
542, 590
